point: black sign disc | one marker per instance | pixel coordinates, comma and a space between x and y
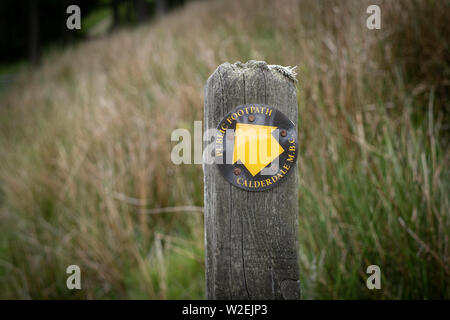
255, 147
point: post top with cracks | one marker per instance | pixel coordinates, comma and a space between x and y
287, 71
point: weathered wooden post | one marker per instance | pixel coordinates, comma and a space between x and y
251, 237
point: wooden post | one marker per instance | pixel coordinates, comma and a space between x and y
251, 238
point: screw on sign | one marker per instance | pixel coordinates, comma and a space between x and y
251, 191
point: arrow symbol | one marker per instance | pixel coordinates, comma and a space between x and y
255, 146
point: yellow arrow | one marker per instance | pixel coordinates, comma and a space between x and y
255, 146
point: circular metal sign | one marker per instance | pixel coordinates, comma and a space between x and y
255, 147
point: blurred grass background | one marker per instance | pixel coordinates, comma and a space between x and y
91, 128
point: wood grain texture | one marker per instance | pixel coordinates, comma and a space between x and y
251, 238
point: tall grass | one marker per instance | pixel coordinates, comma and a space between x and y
90, 129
